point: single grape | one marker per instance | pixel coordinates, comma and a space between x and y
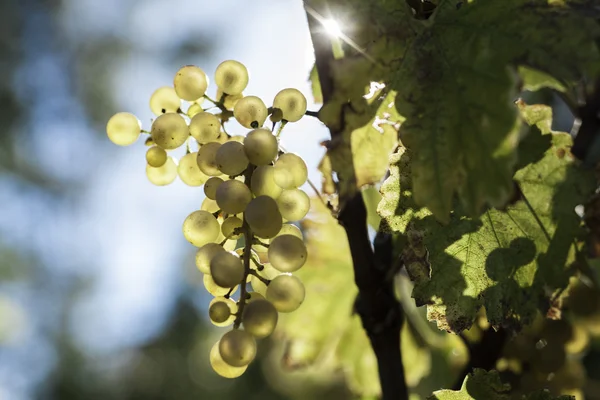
164, 174
156, 157
261, 146
205, 127
286, 292
231, 158
220, 311
263, 182
229, 226
237, 348
230, 100
214, 289
189, 172
209, 205
194, 109
250, 112
231, 77
226, 269
259, 318
253, 296
233, 196
290, 171
292, 104
205, 254
123, 128
276, 115
289, 229
200, 228
263, 217
190, 83
206, 159
221, 367
164, 100
287, 253
293, 204
169, 131
211, 185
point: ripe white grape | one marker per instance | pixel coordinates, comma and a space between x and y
267, 272
164, 100
230, 99
169, 131
229, 226
226, 269
231, 77
189, 172
194, 109
286, 292
123, 128
259, 318
263, 217
190, 83
209, 205
263, 182
293, 204
163, 175
261, 146
214, 289
250, 112
206, 159
200, 228
211, 185
292, 104
205, 254
289, 229
290, 171
205, 127
233, 196
287, 253
156, 156
253, 296
237, 348
221, 367
221, 310
231, 158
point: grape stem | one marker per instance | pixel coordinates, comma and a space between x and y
260, 278
259, 266
310, 113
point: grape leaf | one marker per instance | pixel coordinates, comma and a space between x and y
534, 80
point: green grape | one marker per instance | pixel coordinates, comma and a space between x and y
209, 205
230, 100
259, 318
229, 226
293, 204
286, 292
200, 228
221, 311
231, 158
206, 159
556, 332
276, 115
263, 217
123, 128
290, 171
194, 109
250, 112
289, 229
226, 269
164, 174
292, 104
253, 296
233, 196
211, 185
549, 358
156, 157
263, 182
579, 340
231, 77
237, 348
205, 127
261, 146
190, 83
211, 287
205, 254
268, 272
221, 367
287, 253
189, 172
169, 131
164, 100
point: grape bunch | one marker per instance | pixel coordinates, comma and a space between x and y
243, 228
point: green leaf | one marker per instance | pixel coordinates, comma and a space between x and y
315, 85
534, 80
372, 197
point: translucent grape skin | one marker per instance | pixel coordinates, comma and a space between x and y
190, 83
156, 157
292, 104
205, 127
229, 226
211, 185
259, 318
231, 158
205, 254
226, 269
237, 348
231, 77
287, 253
263, 182
250, 112
289, 229
286, 292
206, 159
221, 367
163, 175
263, 217
219, 312
200, 228
169, 131
261, 146
214, 289
268, 272
189, 172
164, 100
123, 129
293, 204
233, 196
290, 171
